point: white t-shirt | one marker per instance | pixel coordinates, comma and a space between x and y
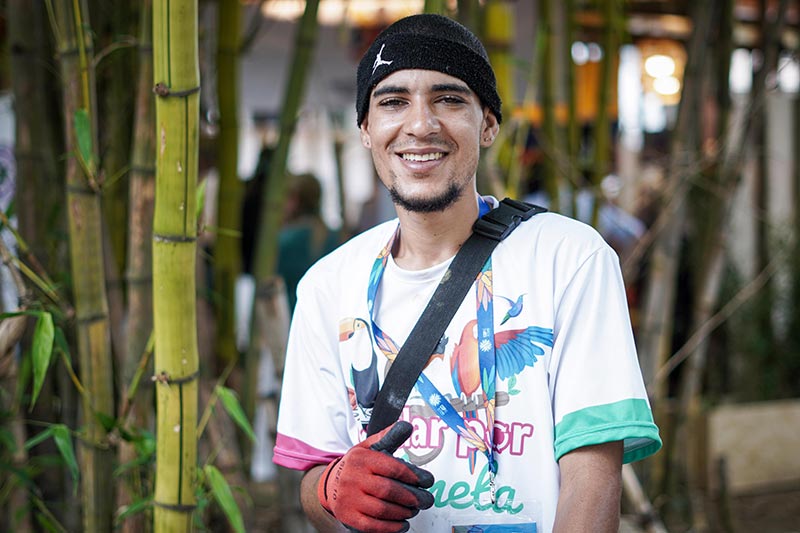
583, 387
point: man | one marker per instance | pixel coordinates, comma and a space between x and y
538, 448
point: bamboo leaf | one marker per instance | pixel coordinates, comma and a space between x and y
12, 314
61, 343
64, 444
42, 351
138, 506
234, 409
146, 445
46, 523
222, 493
200, 199
33, 441
108, 422
7, 440
83, 134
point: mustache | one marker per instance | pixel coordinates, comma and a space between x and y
433, 142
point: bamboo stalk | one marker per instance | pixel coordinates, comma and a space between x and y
267, 243
176, 72
573, 167
114, 80
274, 193
86, 260
654, 339
602, 125
469, 14
435, 6
551, 175
114, 74
659, 294
40, 203
138, 275
498, 37
227, 257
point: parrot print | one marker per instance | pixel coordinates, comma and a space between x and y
515, 349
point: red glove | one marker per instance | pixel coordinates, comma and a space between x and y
367, 489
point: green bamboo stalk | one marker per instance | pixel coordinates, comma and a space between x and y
551, 175
115, 60
274, 193
227, 258
139, 264
573, 168
86, 258
272, 200
176, 73
498, 37
115, 72
602, 133
469, 14
142, 190
435, 6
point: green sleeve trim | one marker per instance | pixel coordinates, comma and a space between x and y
628, 420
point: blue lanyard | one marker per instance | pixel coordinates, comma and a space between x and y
486, 358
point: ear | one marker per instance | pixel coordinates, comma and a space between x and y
489, 128
365, 139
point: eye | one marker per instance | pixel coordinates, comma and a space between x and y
391, 102
451, 99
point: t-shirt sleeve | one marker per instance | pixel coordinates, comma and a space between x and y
596, 385
314, 412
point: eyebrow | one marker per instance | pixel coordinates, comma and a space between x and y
451, 88
437, 88
390, 89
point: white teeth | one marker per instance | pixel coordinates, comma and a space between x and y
423, 157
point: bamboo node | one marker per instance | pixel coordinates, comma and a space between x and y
164, 378
163, 91
176, 507
173, 238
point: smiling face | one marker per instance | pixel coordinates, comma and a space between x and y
425, 130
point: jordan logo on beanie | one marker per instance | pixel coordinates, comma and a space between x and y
379, 61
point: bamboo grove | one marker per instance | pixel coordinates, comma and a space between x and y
120, 374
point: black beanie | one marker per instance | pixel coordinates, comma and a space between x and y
427, 42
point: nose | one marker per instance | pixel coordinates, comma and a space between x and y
421, 119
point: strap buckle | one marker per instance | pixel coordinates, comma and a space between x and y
498, 223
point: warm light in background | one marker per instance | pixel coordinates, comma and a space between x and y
662, 72
667, 85
335, 12
659, 66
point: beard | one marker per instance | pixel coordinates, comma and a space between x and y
433, 204
427, 205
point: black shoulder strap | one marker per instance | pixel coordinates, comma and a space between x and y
487, 232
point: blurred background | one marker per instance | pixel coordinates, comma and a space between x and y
670, 126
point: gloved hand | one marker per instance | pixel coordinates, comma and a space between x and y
367, 489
